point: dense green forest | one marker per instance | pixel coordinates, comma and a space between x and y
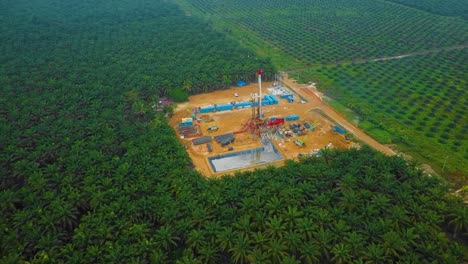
457, 8
90, 174
322, 32
151, 47
424, 112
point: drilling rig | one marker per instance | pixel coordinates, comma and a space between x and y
252, 125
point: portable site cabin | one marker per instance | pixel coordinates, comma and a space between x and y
225, 139
206, 109
339, 129
187, 121
224, 107
243, 105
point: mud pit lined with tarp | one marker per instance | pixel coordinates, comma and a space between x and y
244, 159
229, 121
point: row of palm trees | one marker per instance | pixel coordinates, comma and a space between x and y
86, 176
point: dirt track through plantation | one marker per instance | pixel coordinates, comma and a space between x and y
396, 57
308, 94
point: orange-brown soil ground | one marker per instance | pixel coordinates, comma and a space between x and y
229, 121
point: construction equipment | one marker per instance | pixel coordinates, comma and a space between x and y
299, 143
275, 121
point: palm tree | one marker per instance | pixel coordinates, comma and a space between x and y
225, 238
188, 259
292, 215
322, 217
158, 256
164, 238
275, 227
277, 249
208, 253
375, 254
306, 227
393, 244
196, 239
341, 253
355, 241
244, 225
290, 260
258, 256
274, 205
324, 238
310, 252
251, 204
459, 221
240, 249
260, 240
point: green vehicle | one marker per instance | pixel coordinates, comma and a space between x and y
299, 143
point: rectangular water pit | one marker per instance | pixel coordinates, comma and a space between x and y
242, 159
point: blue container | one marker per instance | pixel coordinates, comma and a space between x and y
206, 109
184, 125
292, 117
224, 107
243, 105
285, 96
339, 129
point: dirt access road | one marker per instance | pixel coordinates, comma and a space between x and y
308, 94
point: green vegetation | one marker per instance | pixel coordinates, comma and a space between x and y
89, 173
329, 34
246, 37
419, 102
133, 45
440, 7
147, 206
317, 32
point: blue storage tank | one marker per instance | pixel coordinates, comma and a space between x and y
274, 99
285, 96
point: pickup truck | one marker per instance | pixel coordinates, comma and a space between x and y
213, 128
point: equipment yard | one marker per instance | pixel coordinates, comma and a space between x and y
290, 127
